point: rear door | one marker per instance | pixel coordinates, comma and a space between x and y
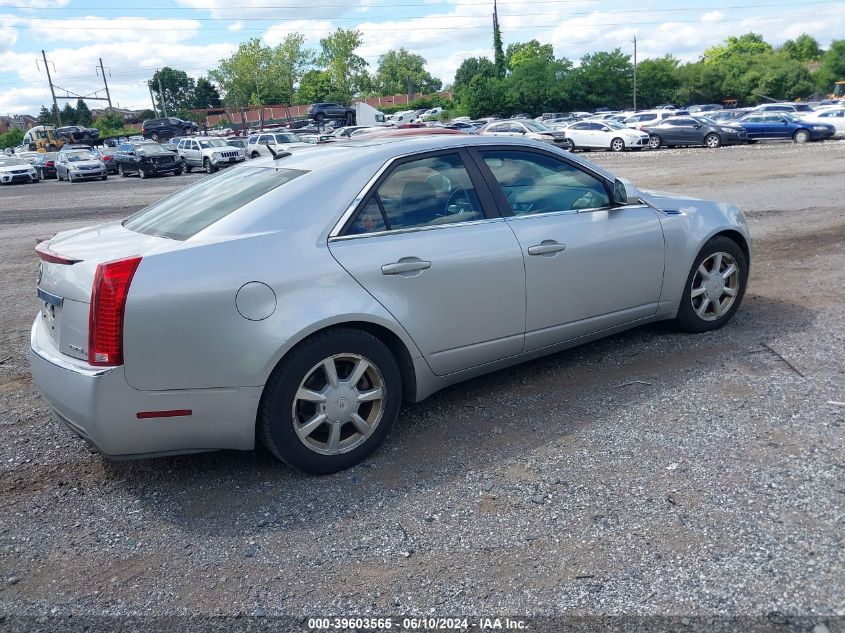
588, 265
427, 244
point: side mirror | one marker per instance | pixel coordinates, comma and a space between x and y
620, 193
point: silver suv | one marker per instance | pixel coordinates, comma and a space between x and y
208, 153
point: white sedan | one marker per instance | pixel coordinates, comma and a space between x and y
604, 135
14, 169
832, 116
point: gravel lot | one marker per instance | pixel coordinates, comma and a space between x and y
650, 473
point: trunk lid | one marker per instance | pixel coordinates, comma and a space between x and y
64, 290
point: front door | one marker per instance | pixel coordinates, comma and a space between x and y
589, 265
427, 244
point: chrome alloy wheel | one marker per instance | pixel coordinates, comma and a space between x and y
339, 404
714, 286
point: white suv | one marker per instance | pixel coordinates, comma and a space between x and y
208, 153
280, 142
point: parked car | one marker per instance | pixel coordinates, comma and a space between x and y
146, 160
783, 126
610, 135
689, 130
304, 321
346, 131
28, 156
16, 170
209, 153
168, 127
280, 142
74, 165
728, 114
527, 128
237, 142
832, 116
173, 143
45, 165
642, 120
462, 126
705, 107
799, 108
106, 154
322, 111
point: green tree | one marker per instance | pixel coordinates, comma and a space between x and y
289, 62
177, 89
486, 96
246, 76
832, 67
45, 117
804, 48
395, 68
83, 114
519, 52
68, 115
347, 70
472, 67
657, 81
602, 79
205, 95
700, 82
12, 138
744, 47
314, 87
781, 78
536, 85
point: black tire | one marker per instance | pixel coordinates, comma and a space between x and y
801, 136
106, 177
571, 145
654, 141
178, 172
120, 171
209, 168
275, 417
255, 155
712, 141
188, 168
156, 137
52, 148
617, 145
142, 174
320, 117
687, 320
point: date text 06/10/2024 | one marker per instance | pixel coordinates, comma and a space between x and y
417, 624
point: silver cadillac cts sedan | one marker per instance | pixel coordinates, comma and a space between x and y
300, 299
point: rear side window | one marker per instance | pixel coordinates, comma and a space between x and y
191, 210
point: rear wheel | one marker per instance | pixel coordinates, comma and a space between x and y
617, 145
715, 286
331, 401
105, 177
320, 117
156, 137
188, 168
801, 136
178, 172
571, 145
120, 171
712, 141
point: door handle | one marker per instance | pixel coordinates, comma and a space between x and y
405, 265
546, 247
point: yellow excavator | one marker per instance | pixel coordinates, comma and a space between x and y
42, 138
838, 91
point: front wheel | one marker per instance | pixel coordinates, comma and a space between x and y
715, 286
617, 145
142, 173
654, 141
106, 177
801, 136
178, 172
209, 168
188, 168
331, 402
570, 145
712, 141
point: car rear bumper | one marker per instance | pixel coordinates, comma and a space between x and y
98, 405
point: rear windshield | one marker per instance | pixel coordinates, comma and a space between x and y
191, 210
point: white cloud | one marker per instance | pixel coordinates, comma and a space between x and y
95, 29
265, 9
313, 30
712, 16
235, 26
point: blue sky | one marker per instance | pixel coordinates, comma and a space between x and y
134, 39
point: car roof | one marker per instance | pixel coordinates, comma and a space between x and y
377, 149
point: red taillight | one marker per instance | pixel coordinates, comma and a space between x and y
107, 157
49, 163
108, 303
47, 255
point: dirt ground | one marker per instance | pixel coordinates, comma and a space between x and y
650, 473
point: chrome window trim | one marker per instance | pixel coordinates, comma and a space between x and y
574, 211
414, 229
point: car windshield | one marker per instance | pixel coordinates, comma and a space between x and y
151, 150
212, 142
614, 125
189, 211
706, 120
73, 157
9, 162
534, 126
287, 138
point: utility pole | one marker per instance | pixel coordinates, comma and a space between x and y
161, 96
635, 74
52, 92
152, 99
103, 73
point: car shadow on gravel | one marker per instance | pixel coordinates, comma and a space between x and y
473, 426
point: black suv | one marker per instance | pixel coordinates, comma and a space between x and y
323, 111
163, 129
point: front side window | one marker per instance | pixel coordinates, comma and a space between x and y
536, 183
425, 192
